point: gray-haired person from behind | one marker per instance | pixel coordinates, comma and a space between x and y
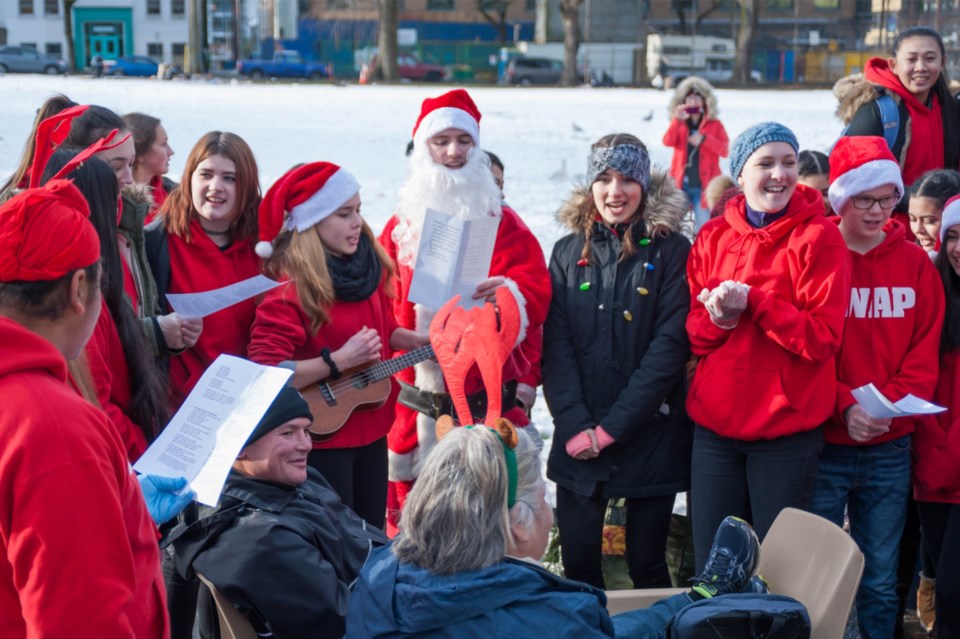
465, 563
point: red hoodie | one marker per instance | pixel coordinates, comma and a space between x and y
926, 123
892, 333
774, 374
78, 549
282, 332
197, 266
936, 442
111, 379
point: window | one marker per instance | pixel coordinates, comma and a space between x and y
780, 5
177, 7
439, 5
29, 48
54, 49
178, 50
826, 4
155, 50
530, 5
51, 7
333, 5
153, 7
26, 7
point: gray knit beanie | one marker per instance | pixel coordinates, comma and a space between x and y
755, 137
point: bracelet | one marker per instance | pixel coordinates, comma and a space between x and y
334, 371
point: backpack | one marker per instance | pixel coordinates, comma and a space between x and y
742, 615
889, 117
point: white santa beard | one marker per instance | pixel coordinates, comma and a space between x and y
468, 193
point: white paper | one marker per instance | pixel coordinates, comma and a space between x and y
453, 259
876, 405
192, 305
203, 439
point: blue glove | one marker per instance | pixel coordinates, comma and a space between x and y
160, 494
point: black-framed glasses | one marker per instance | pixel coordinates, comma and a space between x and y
865, 203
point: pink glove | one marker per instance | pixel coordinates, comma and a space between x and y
603, 438
582, 442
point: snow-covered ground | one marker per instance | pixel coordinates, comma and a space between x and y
542, 135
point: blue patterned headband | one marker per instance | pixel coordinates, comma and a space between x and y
629, 159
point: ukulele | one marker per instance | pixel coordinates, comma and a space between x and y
366, 387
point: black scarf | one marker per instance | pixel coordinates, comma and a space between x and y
356, 277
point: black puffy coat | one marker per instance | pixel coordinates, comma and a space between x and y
285, 556
615, 357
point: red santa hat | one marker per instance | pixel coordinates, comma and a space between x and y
45, 233
950, 217
452, 110
859, 164
301, 198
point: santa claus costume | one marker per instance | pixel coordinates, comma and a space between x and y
469, 192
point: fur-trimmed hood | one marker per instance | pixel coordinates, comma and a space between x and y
854, 91
666, 208
138, 193
702, 87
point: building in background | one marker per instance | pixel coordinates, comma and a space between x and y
110, 28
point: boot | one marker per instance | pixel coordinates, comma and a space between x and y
925, 600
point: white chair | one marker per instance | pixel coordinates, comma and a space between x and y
233, 625
803, 556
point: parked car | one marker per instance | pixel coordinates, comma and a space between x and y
410, 68
133, 65
285, 64
528, 71
27, 60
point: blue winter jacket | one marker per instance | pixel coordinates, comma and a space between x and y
509, 599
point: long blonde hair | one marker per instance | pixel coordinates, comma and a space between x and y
302, 257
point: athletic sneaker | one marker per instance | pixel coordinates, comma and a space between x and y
757, 585
732, 560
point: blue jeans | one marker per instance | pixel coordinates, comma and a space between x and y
873, 482
700, 214
649, 623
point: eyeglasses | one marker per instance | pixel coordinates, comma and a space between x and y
865, 203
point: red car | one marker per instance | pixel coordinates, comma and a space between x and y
411, 68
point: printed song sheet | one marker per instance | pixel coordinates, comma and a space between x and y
193, 305
203, 439
876, 405
452, 259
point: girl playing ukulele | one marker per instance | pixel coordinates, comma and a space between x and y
330, 317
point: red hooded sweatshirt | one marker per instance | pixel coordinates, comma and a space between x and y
78, 549
936, 442
892, 334
197, 266
282, 332
926, 123
774, 374
111, 379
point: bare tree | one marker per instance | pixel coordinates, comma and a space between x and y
68, 32
680, 7
495, 12
749, 19
570, 16
387, 39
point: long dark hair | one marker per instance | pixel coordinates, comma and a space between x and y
95, 179
950, 337
52, 106
939, 185
813, 163
94, 123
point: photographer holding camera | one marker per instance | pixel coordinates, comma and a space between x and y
698, 140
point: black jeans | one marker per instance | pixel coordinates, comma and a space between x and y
941, 538
753, 480
580, 525
358, 475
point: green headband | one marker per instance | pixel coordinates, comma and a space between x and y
510, 457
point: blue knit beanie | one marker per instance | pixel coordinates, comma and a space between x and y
755, 137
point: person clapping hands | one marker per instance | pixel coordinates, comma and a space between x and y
725, 303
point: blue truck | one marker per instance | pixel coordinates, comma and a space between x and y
285, 64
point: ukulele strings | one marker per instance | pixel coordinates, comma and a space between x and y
366, 376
